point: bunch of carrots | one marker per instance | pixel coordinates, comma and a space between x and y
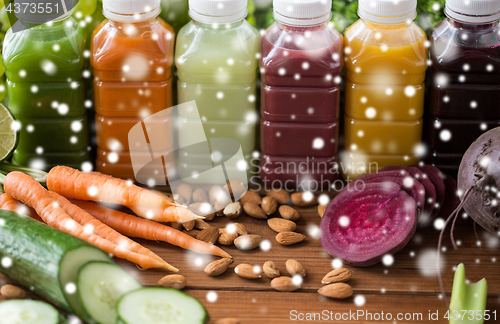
103, 227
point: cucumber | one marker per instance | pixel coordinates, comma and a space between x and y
44, 260
100, 286
29, 312
159, 306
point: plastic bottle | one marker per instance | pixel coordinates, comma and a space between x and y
131, 57
217, 60
385, 70
300, 65
45, 67
465, 54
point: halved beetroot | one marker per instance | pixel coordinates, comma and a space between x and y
360, 227
430, 191
402, 178
436, 178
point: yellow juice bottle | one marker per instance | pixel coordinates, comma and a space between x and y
386, 60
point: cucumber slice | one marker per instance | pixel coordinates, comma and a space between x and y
29, 312
45, 260
159, 306
100, 285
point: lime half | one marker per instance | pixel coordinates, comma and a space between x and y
8, 133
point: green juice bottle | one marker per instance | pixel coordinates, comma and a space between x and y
217, 61
45, 69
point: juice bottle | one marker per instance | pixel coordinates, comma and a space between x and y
45, 67
131, 57
465, 53
217, 62
386, 60
301, 63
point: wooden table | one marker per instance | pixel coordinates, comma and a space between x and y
408, 286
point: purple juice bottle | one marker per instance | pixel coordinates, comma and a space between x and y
465, 54
301, 63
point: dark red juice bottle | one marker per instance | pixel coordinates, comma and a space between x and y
301, 63
465, 54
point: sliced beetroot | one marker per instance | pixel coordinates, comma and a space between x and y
360, 227
401, 177
430, 190
436, 178
451, 199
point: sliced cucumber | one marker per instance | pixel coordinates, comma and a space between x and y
160, 306
29, 312
100, 285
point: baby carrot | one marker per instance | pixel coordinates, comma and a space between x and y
88, 221
137, 227
96, 186
26, 189
7, 202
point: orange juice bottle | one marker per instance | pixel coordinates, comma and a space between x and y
386, 60
131, 57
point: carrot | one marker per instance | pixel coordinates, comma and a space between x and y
88, 221
96, 186
26, 189
8, 202
137, 227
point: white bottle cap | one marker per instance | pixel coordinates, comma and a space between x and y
302, 12
218, 11
473, 11
130, 10
388, 11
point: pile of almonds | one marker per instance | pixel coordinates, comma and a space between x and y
335, 284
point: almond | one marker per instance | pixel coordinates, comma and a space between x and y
337, 290
284, 284
248, 242
304, 199
229, 320
177, 226
179, 199
241, 229
226, 237
201, 224
189, 225
221, 204
269, 205
289, 238
217, 193
185, 191
192, 233
289, 213
209, 235
233, 210
281, 195
199, 195
12, 292
175, 281
251, 196
281, 225
211, 216
295, 267
236, 187
248, 271
202, 209
253, 210
271, 270
218, 267
321, 210
337, 275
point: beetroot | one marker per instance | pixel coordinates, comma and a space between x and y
451, 199
436, 177
401, 177
479, 181
430, 190
360, 227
